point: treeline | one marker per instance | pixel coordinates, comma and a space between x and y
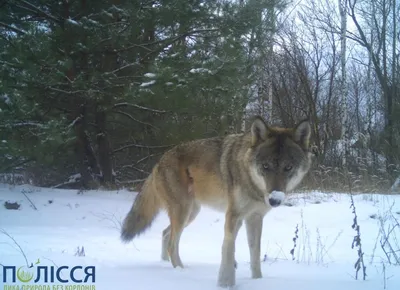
92, 92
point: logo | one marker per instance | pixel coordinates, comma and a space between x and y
38, 277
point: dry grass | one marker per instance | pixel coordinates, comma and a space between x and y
333, 179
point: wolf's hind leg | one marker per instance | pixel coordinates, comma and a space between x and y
193, 213
178, 217
166, 235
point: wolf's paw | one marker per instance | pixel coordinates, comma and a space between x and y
226, 277
256, 275
226, 284
165, 258
180, 265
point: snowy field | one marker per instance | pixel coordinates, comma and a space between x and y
323, 258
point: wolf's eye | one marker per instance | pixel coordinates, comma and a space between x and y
288, 168
265, 167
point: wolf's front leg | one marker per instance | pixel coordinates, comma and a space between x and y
226, 277
254, 230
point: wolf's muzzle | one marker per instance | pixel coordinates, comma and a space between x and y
274, 202
276, 198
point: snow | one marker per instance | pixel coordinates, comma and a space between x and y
24, 124
74, 177
396, 184
73, 22
199, 70
108, 14
115, 8
94, 22
6, 99
66, 220
150, 75
72, 124
146, 84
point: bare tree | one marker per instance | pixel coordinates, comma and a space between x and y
343, 85
373, 17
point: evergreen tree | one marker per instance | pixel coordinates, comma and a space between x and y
100, 88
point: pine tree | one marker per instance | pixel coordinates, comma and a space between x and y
101, 88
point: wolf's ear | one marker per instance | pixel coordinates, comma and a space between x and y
259, 130
302, 133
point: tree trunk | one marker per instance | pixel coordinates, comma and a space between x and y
343, 89
104, 151
270, 52
88, 166
392, 141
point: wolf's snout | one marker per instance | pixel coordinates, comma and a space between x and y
276, 198
274, 202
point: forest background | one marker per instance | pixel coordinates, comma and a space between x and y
93, 92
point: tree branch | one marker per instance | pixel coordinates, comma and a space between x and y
167, 40
135, 168
138, 107
134, 119
9, 167
141, 146
16, 30
122, 68
145, 158
33, 8
364, 41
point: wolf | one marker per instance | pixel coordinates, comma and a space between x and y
242, 175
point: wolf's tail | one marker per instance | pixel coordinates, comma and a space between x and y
143, 211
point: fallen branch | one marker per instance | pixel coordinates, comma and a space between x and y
29, 200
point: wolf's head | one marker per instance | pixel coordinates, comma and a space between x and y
279, 158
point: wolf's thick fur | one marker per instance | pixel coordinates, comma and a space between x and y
241, 175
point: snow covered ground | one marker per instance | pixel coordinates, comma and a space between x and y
323, 258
